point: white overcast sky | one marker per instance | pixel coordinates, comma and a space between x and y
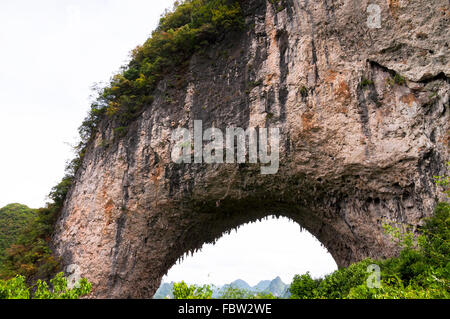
51, 53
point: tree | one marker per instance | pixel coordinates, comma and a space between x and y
303, 287
183, 291
14, 218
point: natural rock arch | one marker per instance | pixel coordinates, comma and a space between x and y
275, 246
353, 152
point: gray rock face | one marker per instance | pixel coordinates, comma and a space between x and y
359, 144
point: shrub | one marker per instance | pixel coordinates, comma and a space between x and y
183, 291
304, 287
16, 288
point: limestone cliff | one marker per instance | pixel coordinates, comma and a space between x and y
363, 113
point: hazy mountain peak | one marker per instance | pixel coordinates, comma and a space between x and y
241, 284
276, 286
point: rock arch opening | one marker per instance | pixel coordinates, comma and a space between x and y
259, 251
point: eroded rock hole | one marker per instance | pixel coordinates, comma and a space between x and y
270, 250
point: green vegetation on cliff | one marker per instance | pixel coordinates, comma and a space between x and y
193, 25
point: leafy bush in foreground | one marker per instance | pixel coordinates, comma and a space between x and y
183, 291
16, 288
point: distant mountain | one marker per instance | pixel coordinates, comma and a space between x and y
287, 293
263, 285
164, 291
240, 284
276, 286
237, 284
13, 220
